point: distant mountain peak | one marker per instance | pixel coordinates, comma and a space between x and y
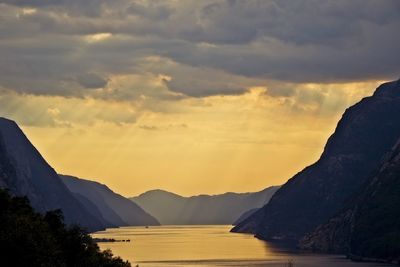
229, 193
170, 208
158, 192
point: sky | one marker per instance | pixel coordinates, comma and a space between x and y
190, 96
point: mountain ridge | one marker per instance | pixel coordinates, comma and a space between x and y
24, 172
170, 208
114, 208
366, 131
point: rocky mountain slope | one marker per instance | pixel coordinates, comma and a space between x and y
24, 172
369, 227
365, 133
113, 207
226, 208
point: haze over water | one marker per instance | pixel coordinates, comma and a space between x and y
207, 246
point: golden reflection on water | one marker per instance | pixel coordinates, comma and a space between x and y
204, 246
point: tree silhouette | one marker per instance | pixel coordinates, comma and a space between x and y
28, 238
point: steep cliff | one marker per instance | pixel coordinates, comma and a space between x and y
369, 227
366, 132
24, 172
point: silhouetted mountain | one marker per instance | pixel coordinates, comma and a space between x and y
24, 172
369, 227
113, 207
366, 132
94, 210
226, 208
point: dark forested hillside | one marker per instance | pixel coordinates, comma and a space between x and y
30, 239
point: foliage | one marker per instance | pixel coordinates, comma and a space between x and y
31, 239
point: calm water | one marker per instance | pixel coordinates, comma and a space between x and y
207, 246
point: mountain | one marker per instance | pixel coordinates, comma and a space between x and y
365, 133
172, 209
369, 227
245, 215
113, 207
24, 172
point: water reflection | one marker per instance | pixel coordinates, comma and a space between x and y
207, 246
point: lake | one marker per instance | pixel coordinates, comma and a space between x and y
208, 246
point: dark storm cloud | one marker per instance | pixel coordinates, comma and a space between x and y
218, 47
299, 22
91, 80
153, 11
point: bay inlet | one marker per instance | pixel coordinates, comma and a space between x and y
208, 246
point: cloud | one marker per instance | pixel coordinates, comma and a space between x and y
151, 10
212, 47
197, 82
163, 127
149, 127
91, 80
53, 111
240, 83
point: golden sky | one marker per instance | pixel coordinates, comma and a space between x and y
185, 95
210, 145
